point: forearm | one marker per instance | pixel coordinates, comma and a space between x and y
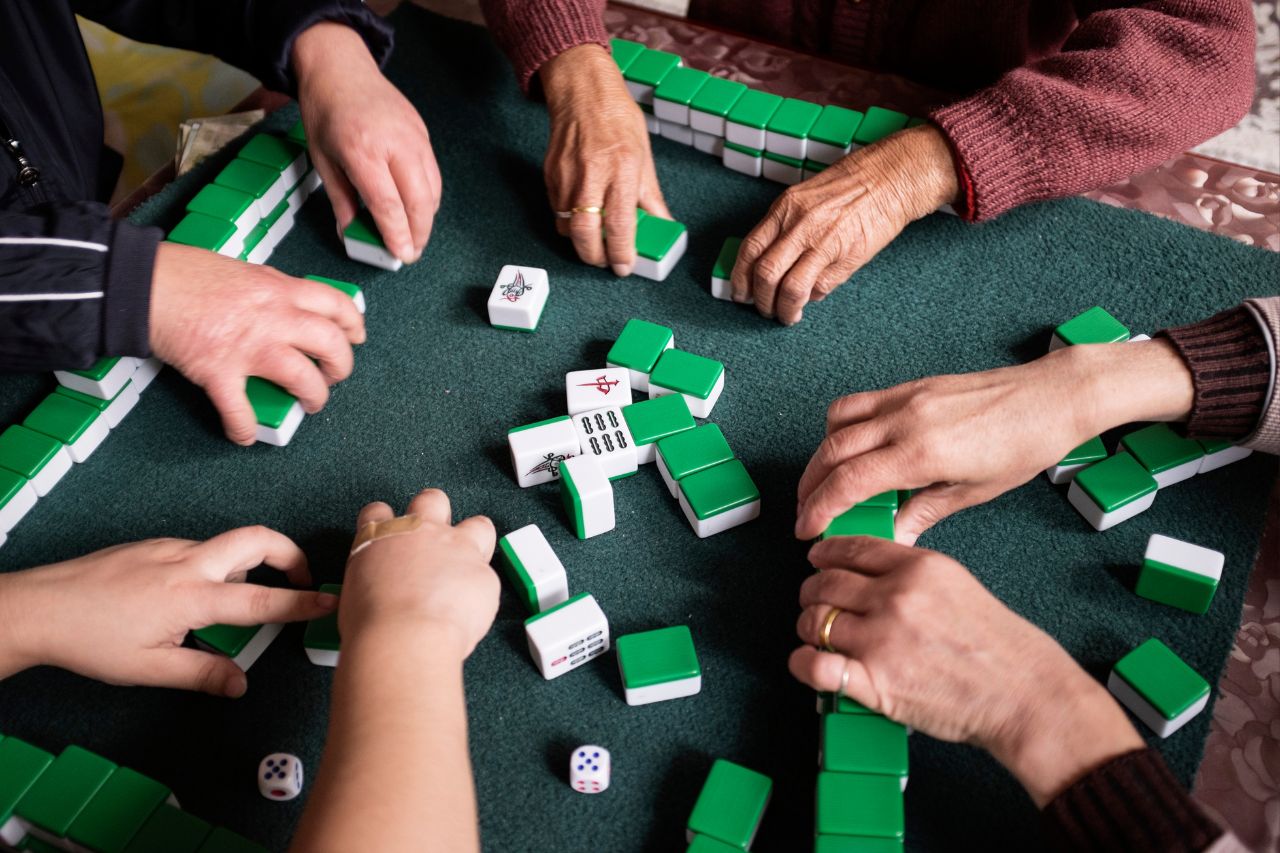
329, 46
1117, 384
1064, 733
15, 652
532, 32
1131, 87
78, 287
396, 768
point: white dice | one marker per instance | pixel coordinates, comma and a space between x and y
538, 449
518, 298
589, 769
567, 636
280, 776
604, 435
585, 390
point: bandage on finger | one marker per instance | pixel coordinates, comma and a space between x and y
375, 530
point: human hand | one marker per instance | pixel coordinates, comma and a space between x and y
920, 640
433, 576
120, 615
819, 232
366, 139
219, 320
598, 156
962, 440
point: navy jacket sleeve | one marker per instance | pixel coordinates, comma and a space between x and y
254, 35
92, 293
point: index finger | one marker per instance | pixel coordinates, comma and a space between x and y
620, 224
418, 197
850, 483
244, 548
372, 179
836, 449
753, 246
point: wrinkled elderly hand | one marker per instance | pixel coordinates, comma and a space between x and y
598, 156
963, 440
819, 232
920, 640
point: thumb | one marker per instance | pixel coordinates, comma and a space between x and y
203, 672
929, 506
650, 196
238, 420
342, 194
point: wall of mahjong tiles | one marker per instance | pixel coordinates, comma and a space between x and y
435, 389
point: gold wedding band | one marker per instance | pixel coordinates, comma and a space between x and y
824, 636
594, 209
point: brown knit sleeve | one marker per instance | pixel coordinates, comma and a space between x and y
1230, 373
531, 32
1133, 804
1267, 436
1132, 86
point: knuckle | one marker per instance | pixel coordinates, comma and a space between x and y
753, 246
258, 600
582, 230
768, 270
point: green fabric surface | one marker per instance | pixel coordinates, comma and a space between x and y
435, 389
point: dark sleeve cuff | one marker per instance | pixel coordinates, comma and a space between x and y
1230, 373
126, 301
1132, 803
277, 70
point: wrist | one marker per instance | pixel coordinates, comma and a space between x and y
428, 638
328, 45
1069, 726
924, 173
1129, 382
584, 68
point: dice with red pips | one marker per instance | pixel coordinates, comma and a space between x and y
589, 769
280, 776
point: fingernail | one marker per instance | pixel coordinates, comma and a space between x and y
327, 600
622, 270
236, 686
601, 265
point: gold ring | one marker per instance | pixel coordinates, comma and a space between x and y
824, 636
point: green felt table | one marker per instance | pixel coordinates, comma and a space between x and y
435, 389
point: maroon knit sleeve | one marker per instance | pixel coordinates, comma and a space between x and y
1230, 373
1132, 803
1131, 87
532, 31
